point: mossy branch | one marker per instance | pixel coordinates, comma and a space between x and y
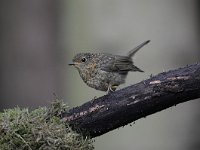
124, 106
40, 129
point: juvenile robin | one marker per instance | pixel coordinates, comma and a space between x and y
104, 71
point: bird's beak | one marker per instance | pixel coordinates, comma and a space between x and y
71, 64
74, 64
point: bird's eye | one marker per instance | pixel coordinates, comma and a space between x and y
83, 59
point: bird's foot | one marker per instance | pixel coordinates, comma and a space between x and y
111, 89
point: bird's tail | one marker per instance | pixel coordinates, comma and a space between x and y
135, 68
132, 52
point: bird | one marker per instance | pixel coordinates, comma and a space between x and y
104, 71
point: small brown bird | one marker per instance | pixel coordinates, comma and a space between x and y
104, 71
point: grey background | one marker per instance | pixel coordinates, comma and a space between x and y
39, 38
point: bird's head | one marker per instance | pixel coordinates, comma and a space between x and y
81, 60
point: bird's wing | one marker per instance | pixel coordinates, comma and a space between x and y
120, 64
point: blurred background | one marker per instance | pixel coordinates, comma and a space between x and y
39, 38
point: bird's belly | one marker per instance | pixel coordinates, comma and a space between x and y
103, 79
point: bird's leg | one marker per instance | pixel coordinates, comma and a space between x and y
111, 88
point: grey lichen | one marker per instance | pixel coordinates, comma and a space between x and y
40, 129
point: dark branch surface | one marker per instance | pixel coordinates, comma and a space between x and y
124, 106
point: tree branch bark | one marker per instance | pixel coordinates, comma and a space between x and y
124, 106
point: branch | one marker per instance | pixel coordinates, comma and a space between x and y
124, 106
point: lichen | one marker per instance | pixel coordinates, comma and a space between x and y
40, 129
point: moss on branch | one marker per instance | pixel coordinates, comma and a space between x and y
39, 129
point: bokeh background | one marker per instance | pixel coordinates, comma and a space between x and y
39, 38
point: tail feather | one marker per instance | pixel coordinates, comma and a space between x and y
132, 52
135, 68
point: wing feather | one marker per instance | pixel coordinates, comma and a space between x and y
120, 64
